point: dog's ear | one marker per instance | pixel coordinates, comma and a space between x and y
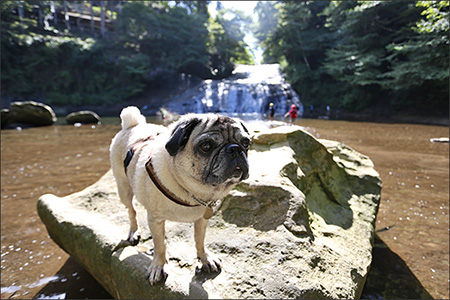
180, 136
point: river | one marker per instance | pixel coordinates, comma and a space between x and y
411, 253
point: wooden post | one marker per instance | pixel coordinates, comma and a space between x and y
55, 14
102, 18
66, 17
92, 18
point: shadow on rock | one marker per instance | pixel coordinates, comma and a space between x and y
196, 290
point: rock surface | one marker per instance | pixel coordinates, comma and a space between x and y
29, 113
302, 226
83, 117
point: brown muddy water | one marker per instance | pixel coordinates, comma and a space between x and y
411, 252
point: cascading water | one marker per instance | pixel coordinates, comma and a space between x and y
247, 93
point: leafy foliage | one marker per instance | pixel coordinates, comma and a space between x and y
359, 54
268, 16
150, 41
227, 46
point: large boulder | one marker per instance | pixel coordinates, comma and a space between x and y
83, 117
28, 113
302, 226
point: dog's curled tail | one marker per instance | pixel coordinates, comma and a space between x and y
131, 116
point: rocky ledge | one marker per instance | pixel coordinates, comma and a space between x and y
302, 226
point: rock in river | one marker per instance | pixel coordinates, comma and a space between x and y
83, 117
302, 226
28, 113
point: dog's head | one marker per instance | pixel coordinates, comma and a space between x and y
209, 150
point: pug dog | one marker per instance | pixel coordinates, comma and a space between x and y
177, 174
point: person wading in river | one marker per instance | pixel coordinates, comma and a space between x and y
292, 113
271, 111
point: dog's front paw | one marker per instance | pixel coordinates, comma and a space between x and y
156, 273
210, 262
134, 237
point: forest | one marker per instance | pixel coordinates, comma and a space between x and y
384, 56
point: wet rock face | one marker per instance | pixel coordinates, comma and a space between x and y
301, 226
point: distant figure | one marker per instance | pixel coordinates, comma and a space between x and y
292, 113
271, 111
328, 111
311, 109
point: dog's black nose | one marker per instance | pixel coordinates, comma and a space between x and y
233, 150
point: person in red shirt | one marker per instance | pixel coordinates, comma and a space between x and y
292, 113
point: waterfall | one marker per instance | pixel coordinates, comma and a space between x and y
248, 92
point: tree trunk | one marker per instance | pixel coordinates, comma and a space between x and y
40, 20
202, 8
20, 11
305, 59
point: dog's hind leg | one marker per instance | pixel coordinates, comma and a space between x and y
126, 196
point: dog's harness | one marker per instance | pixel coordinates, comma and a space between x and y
151, 172
136, 147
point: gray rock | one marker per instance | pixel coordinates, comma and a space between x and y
302, 226
83, 117
29, 113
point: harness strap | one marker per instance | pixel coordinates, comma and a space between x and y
134, 149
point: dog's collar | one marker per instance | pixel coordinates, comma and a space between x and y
162, 188
151, 172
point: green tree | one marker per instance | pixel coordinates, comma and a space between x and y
299, 43
226, 44
172, 39
383, 55
419, 63
58, 68
263, 30
359, 59
150, 41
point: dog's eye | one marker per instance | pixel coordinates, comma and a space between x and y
245, 143
206, 147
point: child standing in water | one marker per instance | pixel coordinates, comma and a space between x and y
292, 113
271, 111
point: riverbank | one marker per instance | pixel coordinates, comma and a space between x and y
337, 115
179, 91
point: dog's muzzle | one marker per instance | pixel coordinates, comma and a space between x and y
230, 163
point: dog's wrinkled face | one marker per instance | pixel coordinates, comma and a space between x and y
210, 150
